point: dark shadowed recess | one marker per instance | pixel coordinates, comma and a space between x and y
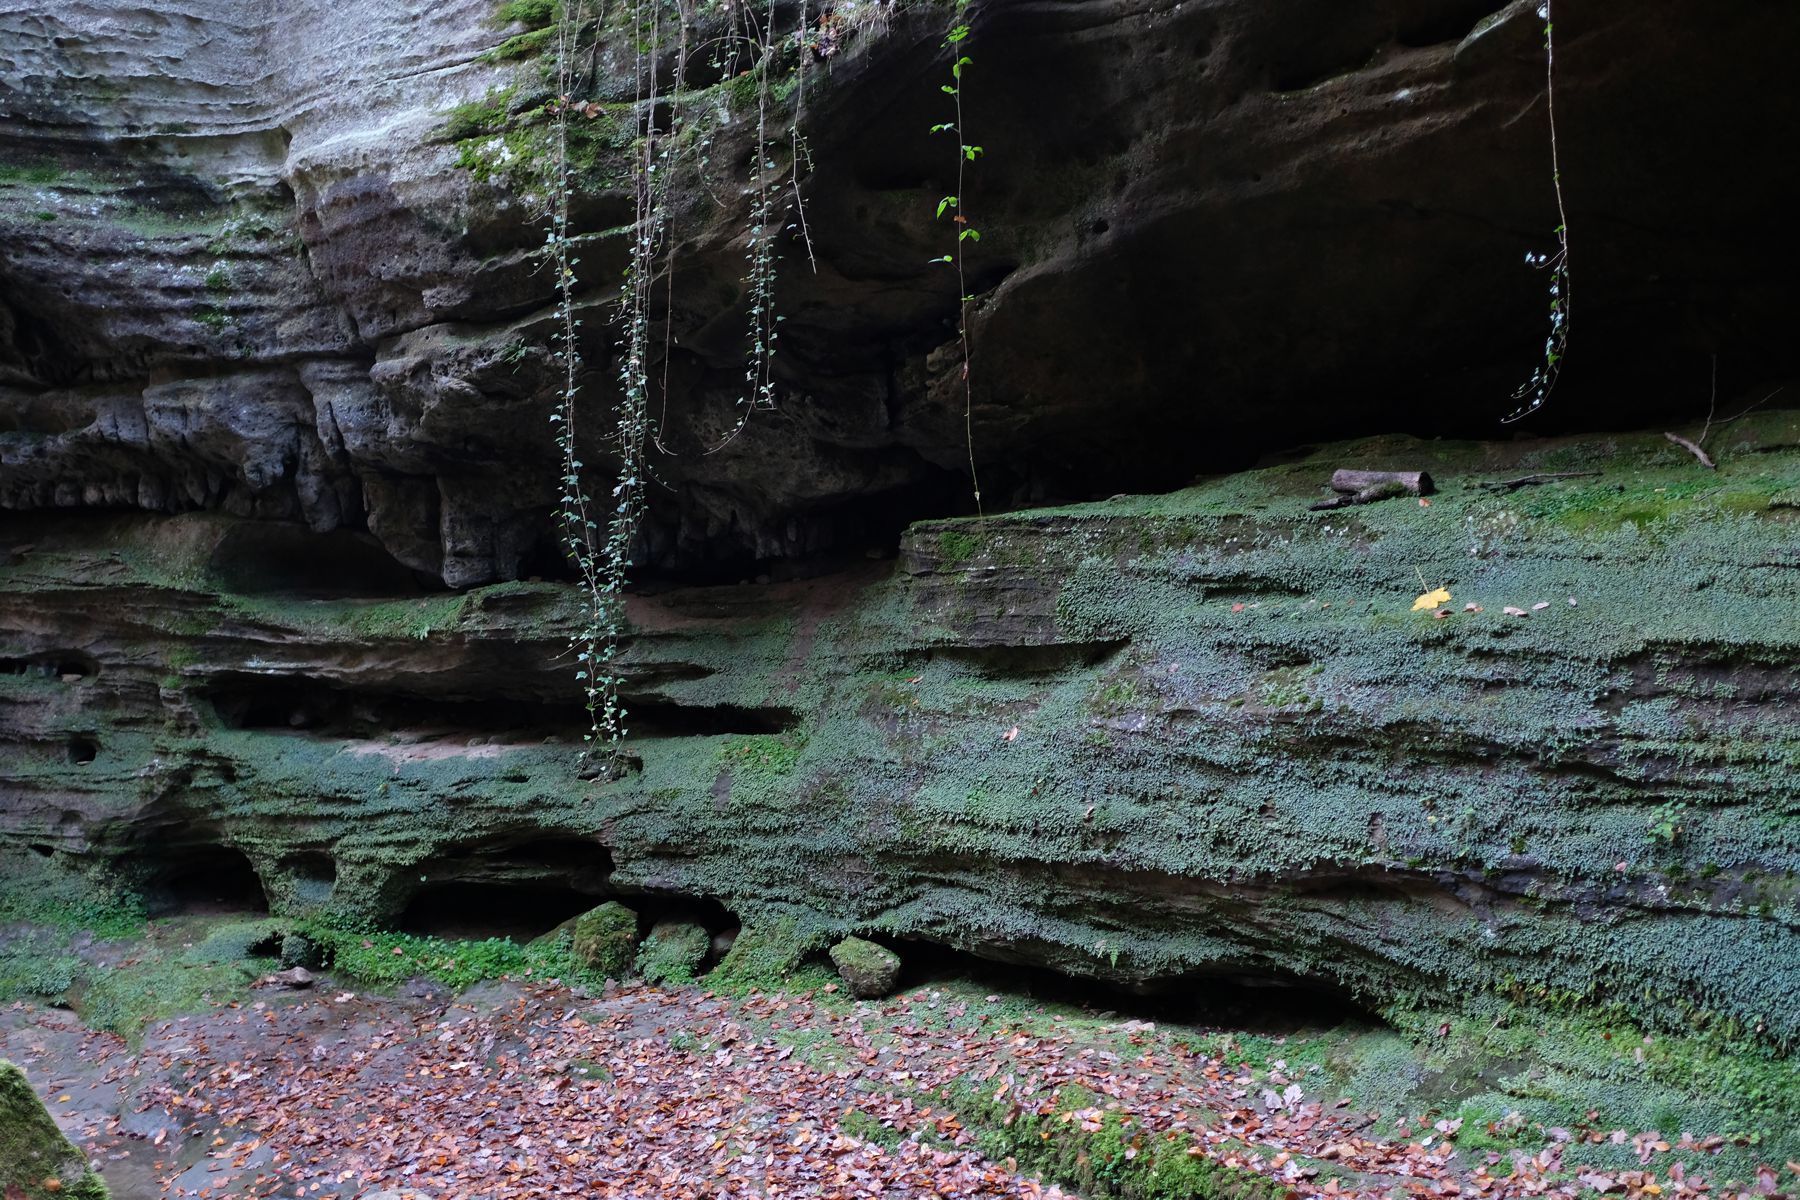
303, 706
1255, 1002
199, 878
67, 664
477, 909
518, 889
285, 558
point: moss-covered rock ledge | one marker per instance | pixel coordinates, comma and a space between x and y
36, 1161
1153, 740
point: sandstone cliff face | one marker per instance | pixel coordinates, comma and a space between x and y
274, 379
252, 262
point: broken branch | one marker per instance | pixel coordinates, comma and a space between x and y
1513, 485
1694, 449
1415, 483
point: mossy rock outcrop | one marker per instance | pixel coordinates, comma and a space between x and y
605, 939
765, 955
1239, 751
868, 969
673, 952
36, 1161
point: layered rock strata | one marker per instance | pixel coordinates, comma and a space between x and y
1152, 740
281, 260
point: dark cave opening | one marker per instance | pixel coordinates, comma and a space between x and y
302, 706
483, 909
1261, 1002
202, 879
286, 558
83, 749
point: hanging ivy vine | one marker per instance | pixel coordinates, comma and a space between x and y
1533, 393
599, 539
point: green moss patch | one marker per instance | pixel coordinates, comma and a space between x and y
673, 953
768, 955
36, 1161
1099, 1152
605, 939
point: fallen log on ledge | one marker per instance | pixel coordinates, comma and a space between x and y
1366, 487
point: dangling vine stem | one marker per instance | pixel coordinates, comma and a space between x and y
1536, 390
601, 560
797, 140
760, 250
965, 232
595, 643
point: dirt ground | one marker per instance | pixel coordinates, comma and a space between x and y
520, 1089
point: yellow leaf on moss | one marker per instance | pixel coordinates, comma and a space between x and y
1431, 600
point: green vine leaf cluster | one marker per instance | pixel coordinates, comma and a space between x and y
965, 232
665, 136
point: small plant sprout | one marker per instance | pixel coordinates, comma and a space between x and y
965, 232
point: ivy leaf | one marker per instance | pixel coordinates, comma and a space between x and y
1431, 600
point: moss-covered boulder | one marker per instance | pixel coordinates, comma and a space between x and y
298, 950
36, 1161
764, 955
605, 939
673, 953
868, 969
